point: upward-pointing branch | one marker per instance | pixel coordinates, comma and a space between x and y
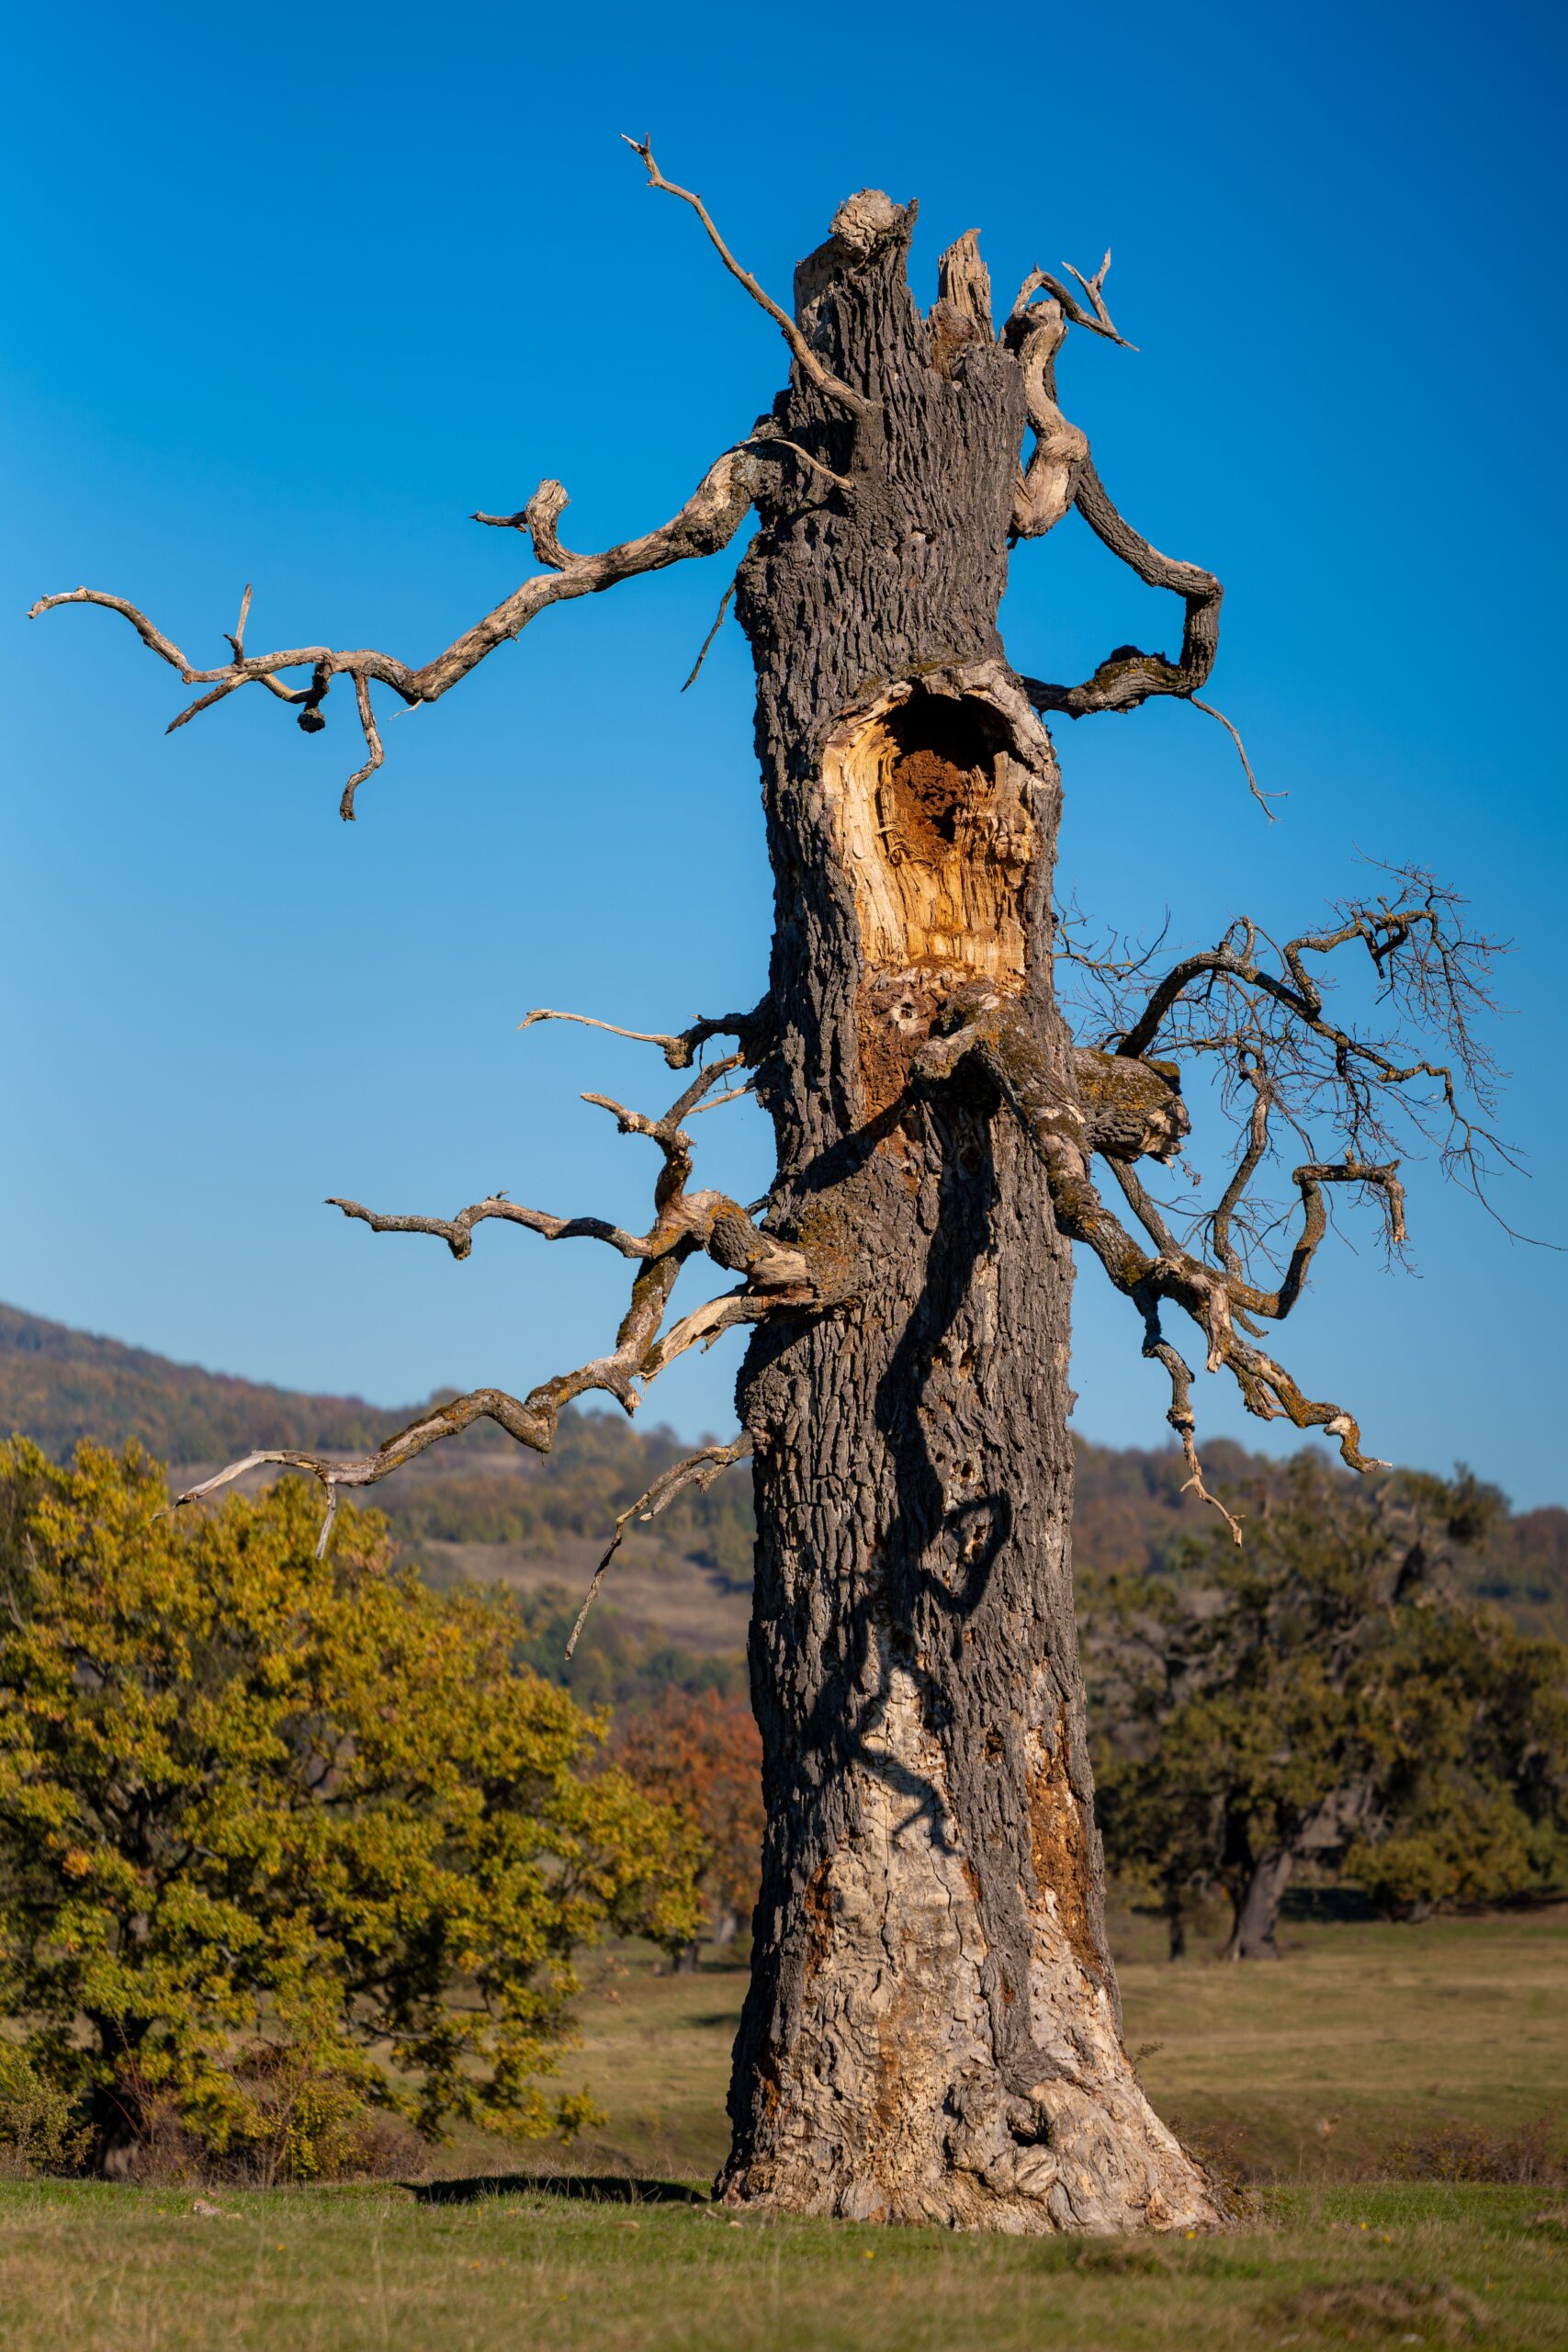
1061, 473
805, 359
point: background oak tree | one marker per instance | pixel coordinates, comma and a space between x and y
932, 2031
1327, 1695
266, 1815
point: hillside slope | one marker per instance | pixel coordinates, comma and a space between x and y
481, 1506
59, 1385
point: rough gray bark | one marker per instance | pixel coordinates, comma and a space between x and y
932, 2029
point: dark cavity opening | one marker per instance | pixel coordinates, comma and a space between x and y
944, 755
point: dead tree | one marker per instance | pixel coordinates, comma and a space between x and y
932, 2027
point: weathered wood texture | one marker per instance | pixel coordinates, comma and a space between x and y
932, 2030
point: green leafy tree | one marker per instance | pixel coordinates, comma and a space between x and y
1324, 1694
253, 1799
1474, 1793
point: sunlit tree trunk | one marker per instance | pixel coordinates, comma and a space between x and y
932, 2028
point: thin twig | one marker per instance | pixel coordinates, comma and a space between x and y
1262, 797
778, 441
701, 657
698, 1470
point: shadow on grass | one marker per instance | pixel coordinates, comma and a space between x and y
593, 2188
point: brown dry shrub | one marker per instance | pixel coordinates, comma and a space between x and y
1533, 2154
1385, 2309
1224, 2151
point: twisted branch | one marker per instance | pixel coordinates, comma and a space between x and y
991, 1031
708, 521
1061, 474
1128, 676
776, 1277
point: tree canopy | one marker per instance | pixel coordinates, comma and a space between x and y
1326, 1693
250, 1795
699, 1752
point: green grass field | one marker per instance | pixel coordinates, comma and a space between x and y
1383, 2033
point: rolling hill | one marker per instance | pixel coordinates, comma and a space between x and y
482, 1507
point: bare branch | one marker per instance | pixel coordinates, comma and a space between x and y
698, 1470
329, 1521
708, 522
1180, 1414
747, 1086
1047, 486
1269, 1019
715, 1315
776, 1277
691, 679
1097, 318
530, 1424
238, 640
372, 745
457, 1232
1127, 676
1262, 797
990, 1029
769, 438
805, 359
1061, 472
753, 1030
539, 519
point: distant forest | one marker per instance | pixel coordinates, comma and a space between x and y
58, 1386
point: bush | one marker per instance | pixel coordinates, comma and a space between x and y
41, 2130
1532, 2154
284, 2119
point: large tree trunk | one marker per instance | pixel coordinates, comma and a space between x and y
932, 2029
1258, 1912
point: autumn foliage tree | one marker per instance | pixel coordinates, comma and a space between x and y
698, 1752
261, 1810
963, 1088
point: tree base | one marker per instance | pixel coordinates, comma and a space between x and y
1098, 2168
909, 2071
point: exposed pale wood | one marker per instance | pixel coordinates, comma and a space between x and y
938, 853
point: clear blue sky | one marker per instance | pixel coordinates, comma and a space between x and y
289, 298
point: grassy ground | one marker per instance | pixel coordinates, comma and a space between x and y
1381, 2032
122, 2270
